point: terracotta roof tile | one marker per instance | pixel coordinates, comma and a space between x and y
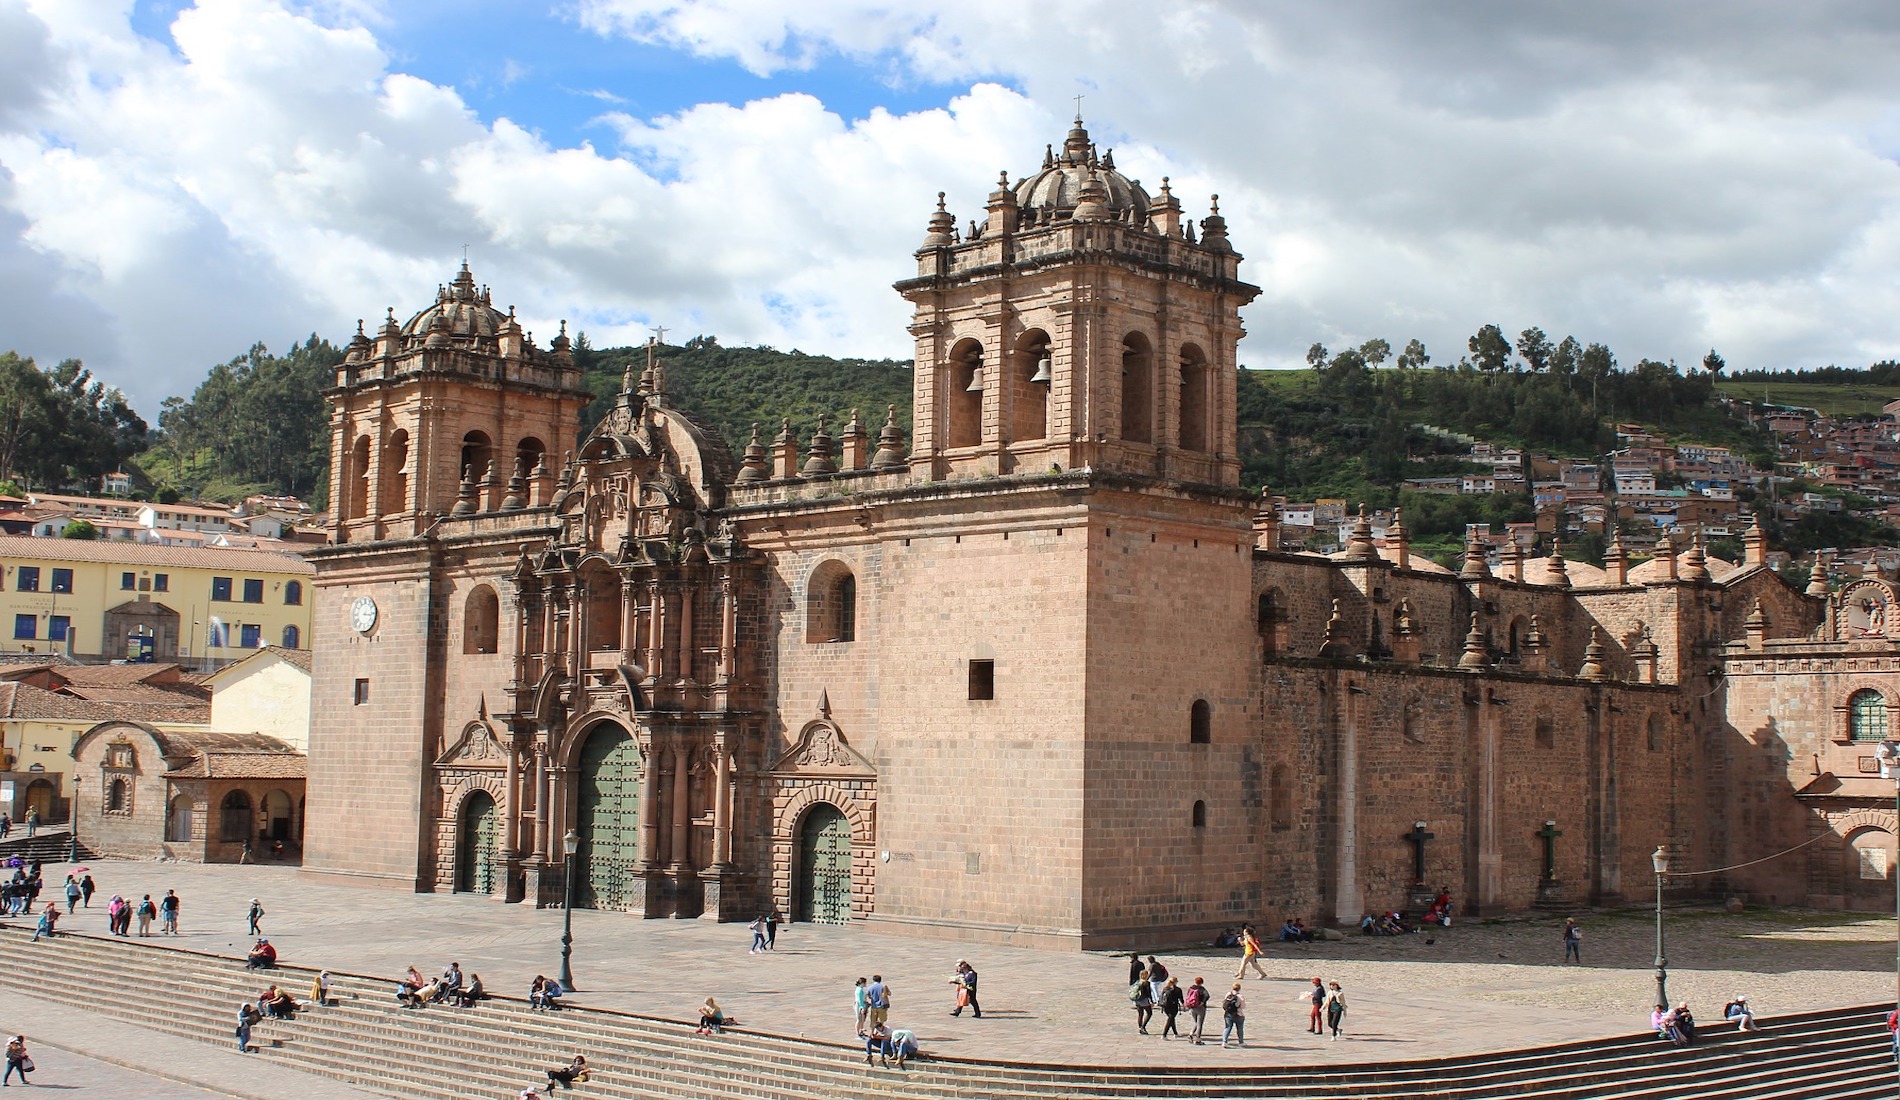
119, 552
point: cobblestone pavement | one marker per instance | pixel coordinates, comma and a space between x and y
1472, 987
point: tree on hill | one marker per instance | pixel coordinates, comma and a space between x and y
62, 426
259, 420
79, 529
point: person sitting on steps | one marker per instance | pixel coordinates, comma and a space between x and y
262, 957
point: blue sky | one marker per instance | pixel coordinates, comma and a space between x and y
181, 178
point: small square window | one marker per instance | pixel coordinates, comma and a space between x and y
57, 626
28, 579
253, 591
982, 679
221, 588
250, 636
128, 581
26, 627
62, 580
362, 692
161, 582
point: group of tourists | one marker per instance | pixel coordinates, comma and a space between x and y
31, 821
1151, 987
415, 991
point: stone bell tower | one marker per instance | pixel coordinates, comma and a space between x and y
451, 413
1082, 323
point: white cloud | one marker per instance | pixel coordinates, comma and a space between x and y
1662, 179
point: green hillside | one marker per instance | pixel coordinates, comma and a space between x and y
1834, 399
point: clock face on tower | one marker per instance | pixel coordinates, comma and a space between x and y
363, 614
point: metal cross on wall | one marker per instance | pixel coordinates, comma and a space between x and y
1550, 832
1418, 836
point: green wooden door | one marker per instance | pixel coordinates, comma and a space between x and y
609, 819
824, 866
475, 854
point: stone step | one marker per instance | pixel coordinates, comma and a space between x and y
375, 1041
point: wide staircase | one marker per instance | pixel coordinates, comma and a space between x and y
495, 1049
52, 844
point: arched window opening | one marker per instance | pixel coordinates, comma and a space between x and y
1517, 637
293, 638
1031, 375
831, 604
1867, 716
477, 454
1194, 387
1271, 622
1279, 798
1200, 814
528, 455
604, 605
964, 378
357, 483
394, 491
481, 621
118, 796
1655, 738
293, 593
1545, 732
234, 818
1137, 389
1200, 723
1870, 854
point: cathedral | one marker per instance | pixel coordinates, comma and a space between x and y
1040, 672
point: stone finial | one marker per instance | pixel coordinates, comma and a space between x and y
890, 443
1616, 560
1695, 563
465, 504
1092, 203
1165, 211
1002, 207
941, 231
1511, 560
1666, 553
1398, 541
1534, 645
1755, 544
1476, 568
818, 459
785, 452
1214, 228
1756, 625
1556, 570
754, 468
1335, 644
517, 497
1266, 521
1648, 657
1359, 546
1477, 654
854, 443
1871, 567
1593, 657
1817, 576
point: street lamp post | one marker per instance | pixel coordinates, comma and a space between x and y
73, 853
570, 844
1661, 861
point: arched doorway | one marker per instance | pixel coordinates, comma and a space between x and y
823, 894
278, 824
608, 818
1868, 869
39, 796
475, 851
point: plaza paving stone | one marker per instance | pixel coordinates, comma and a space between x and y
1480, 986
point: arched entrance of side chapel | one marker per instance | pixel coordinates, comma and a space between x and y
822, 891
607, 816
477, 840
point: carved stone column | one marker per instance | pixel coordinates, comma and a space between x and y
684, 661
722, 806
656, 631
728, 629
677, 840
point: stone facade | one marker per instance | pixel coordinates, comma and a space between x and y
1043, 676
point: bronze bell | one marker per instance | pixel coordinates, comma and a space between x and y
1044, 372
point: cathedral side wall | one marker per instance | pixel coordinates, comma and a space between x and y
368, 760
980, 803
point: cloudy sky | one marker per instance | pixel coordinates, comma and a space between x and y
179, 180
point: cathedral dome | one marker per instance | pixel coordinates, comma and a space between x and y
461, 311
1057, 188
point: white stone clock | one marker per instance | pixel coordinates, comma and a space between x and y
363, 614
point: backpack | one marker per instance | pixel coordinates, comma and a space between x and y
1196, 996
1230, 1005
1138, 992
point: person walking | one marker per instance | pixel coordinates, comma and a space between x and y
168, 913
18, 1061
73, 892
1335, 1008
1315, 1020
256, 914
1249, 953
859, 1004
49, 923
6, 824
1171, 998
1196, 1001
86, 889
771, 930
1233, 1014
965, 979
757, 928
1573, 941
1142, 994
147, 910
113, 909
1157, 977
